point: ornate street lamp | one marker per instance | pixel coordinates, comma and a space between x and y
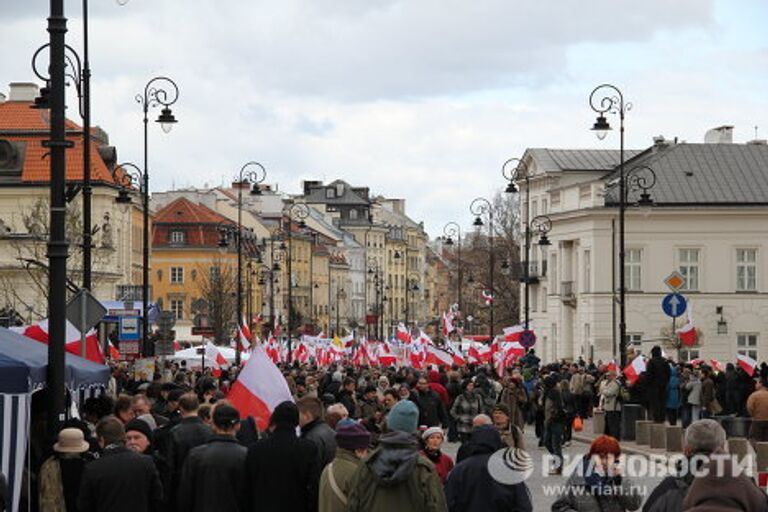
513, 171
481, 207
452, 231
293, 211
159, 91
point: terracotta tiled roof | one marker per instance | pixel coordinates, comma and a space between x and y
17, 116
184, 211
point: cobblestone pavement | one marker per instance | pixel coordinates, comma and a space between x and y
543, 488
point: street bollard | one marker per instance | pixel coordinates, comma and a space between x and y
630, 413
598, 422
674, 439
643, 431
762, 456
658, 436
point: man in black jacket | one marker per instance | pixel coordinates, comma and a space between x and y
316, 430
348, 399
189, 433
471, 486
282, 471
656, 380
121, 480
431, 408
213, 474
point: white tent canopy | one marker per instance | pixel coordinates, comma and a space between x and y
194, 359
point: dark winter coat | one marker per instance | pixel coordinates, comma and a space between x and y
120, 480
324, 437
577, 496
724, 493
189, 433
394, 477
656, 378
470, 488
212, 477
282, 474
348, 400
466, 406
431, 409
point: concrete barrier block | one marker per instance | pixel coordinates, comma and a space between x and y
762, 456
598, 422
674, 439
643, 431
738, 446
658, 436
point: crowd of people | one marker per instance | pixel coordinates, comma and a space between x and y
372, 439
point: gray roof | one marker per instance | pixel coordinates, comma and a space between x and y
349, 197
725, 174
559, 160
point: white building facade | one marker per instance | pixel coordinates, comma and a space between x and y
708, 222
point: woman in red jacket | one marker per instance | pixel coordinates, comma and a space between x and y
432, 439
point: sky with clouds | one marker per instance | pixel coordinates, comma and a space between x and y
419, 99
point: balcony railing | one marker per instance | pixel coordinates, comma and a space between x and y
567, 292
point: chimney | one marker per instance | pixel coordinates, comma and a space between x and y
23, 91
660, 142
758, 142
720, 135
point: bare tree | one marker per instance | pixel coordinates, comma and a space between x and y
218, 288
476, 248
24, 278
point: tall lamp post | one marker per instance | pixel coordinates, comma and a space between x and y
453, 230
340, 295
159, 91
482, 207
252, 173
293, 211
515, 170
411, 285
375, 271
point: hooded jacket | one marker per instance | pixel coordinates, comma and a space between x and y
470, 487
395, 477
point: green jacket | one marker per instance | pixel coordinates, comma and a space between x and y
343, 467
394, 478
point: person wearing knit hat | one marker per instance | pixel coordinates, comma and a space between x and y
510, 433
386, 478
404, 417
352, 440
598, 482
432, 439
138, 436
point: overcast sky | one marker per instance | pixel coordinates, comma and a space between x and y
420, 99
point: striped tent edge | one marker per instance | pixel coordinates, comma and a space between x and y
14, 434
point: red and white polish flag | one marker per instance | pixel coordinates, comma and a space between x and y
487, 297
93, 352
513, 333
634, 369
747, 363
403, 334
687, 333
259, 388
717, 365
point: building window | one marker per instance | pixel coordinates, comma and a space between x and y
555, 199
352, 214
689, 268
746, 345
544, 206
688, 355
177, 308
632, 269
635, 341
585, 193
746, 270
544, 299
329, 193
534, 208
587, 271
177, 237
534, 299
177, 274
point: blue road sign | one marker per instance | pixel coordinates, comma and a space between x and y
527, 338
674, 305
128, 328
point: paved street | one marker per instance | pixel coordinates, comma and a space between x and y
543, 487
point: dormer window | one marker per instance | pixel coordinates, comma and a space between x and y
330, 193
177, 237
